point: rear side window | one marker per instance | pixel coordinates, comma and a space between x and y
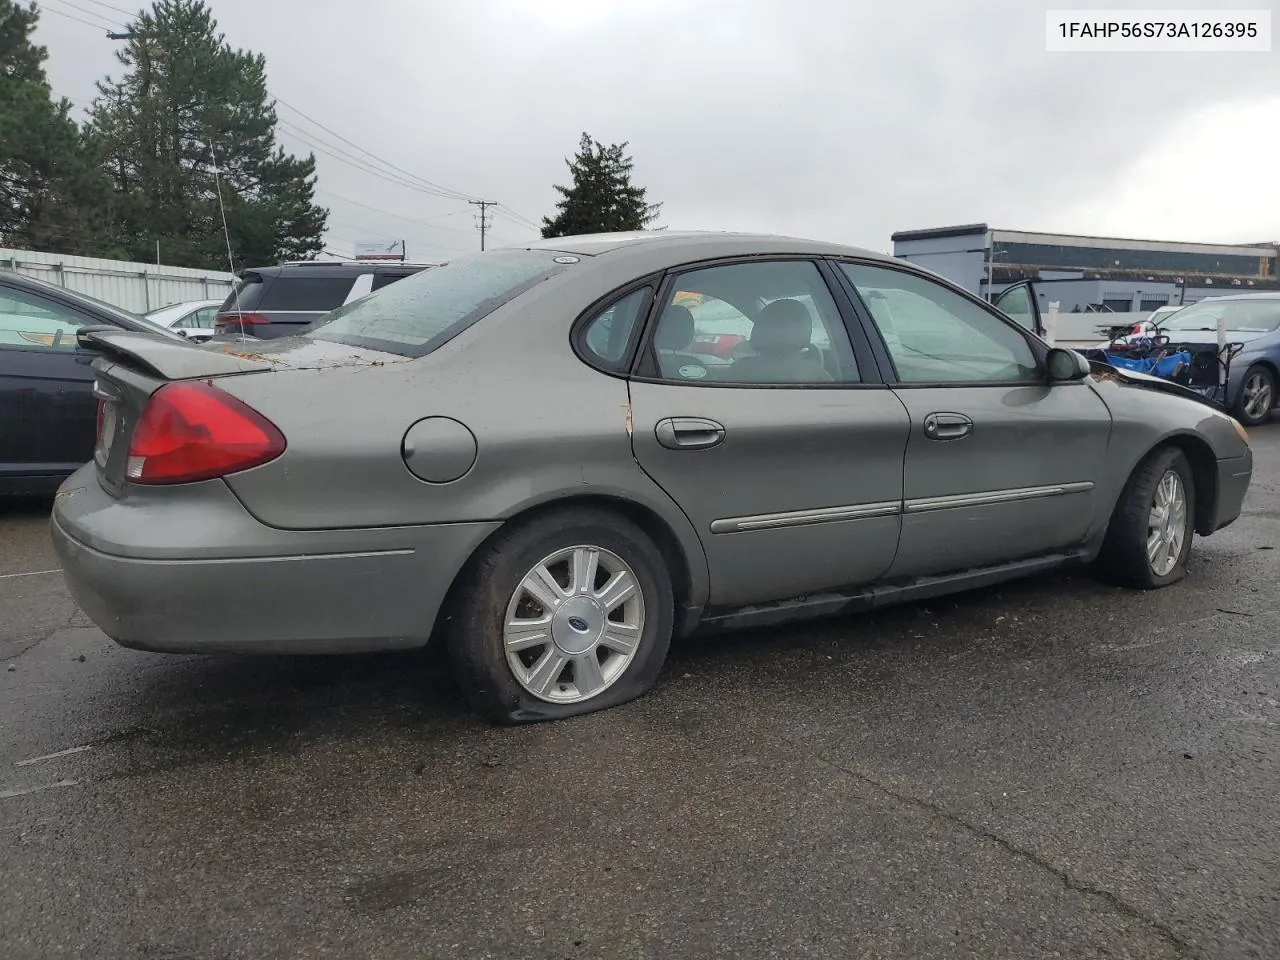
381, 280
245, 294
608, 334
417, 314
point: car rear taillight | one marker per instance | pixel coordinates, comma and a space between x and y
236, 320
194, 431
102, 405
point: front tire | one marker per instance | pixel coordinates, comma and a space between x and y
1148, 540
1257, 396
564, 615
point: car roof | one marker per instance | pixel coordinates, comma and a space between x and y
186, 303
699, 243
337, 268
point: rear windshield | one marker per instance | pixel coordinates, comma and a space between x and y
290, 292
417, 314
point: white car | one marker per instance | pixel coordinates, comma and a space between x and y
1144, 328
193, 319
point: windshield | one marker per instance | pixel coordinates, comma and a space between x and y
415, 315
1245, 316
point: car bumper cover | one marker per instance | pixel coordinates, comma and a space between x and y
384, 595
1233, 483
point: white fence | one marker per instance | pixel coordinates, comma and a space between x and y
138, 287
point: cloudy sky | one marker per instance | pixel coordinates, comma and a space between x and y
831, 119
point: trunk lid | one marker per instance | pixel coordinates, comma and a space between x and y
132, 366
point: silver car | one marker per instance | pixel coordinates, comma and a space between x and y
519, 454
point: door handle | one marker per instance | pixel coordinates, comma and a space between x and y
688, 433
947, 426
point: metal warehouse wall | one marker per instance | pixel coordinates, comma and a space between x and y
960, 258
139, 287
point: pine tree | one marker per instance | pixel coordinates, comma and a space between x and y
50, 191
188, 102
602, 198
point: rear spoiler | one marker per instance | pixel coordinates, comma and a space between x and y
173, 360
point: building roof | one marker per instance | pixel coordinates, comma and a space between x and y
938, 233
999, 235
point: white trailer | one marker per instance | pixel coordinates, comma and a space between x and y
138, 287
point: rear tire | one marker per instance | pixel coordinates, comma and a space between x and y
1149, 538
564, 615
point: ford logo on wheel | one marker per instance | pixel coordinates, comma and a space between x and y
578, 624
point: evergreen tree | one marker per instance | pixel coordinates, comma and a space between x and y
187, 103
50, 191
602, 198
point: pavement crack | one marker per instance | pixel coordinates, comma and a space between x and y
30, 646
1115, 902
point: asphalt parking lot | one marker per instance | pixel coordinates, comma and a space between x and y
1053, 768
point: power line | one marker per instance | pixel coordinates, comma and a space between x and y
386, 213
456, 194
421, 221
518, 218
343, 156
72, 16
108, 6
94, 14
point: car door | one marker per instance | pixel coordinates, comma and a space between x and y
46, 385
1000, 464
1018, 302
787, 461
198, 324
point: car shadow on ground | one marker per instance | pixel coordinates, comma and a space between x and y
190, 708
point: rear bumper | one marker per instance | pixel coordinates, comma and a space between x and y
1233, 483
253, 590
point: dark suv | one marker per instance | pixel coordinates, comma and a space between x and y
279, 301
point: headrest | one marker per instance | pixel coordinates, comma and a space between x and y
783, 328
675, 329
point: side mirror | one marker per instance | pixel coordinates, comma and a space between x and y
1066, 365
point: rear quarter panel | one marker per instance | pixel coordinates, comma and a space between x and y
547, 427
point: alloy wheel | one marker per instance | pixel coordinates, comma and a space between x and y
573, 624
1167, 524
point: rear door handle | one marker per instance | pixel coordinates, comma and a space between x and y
688, 433
947, 426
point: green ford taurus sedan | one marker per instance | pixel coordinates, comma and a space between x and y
529, 456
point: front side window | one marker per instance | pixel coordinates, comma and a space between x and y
415, 315
33, 323
934, 335
767, 323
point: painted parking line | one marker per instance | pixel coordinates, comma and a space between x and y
52, 756
23, 791
29, 573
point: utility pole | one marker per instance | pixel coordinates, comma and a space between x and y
483, 205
